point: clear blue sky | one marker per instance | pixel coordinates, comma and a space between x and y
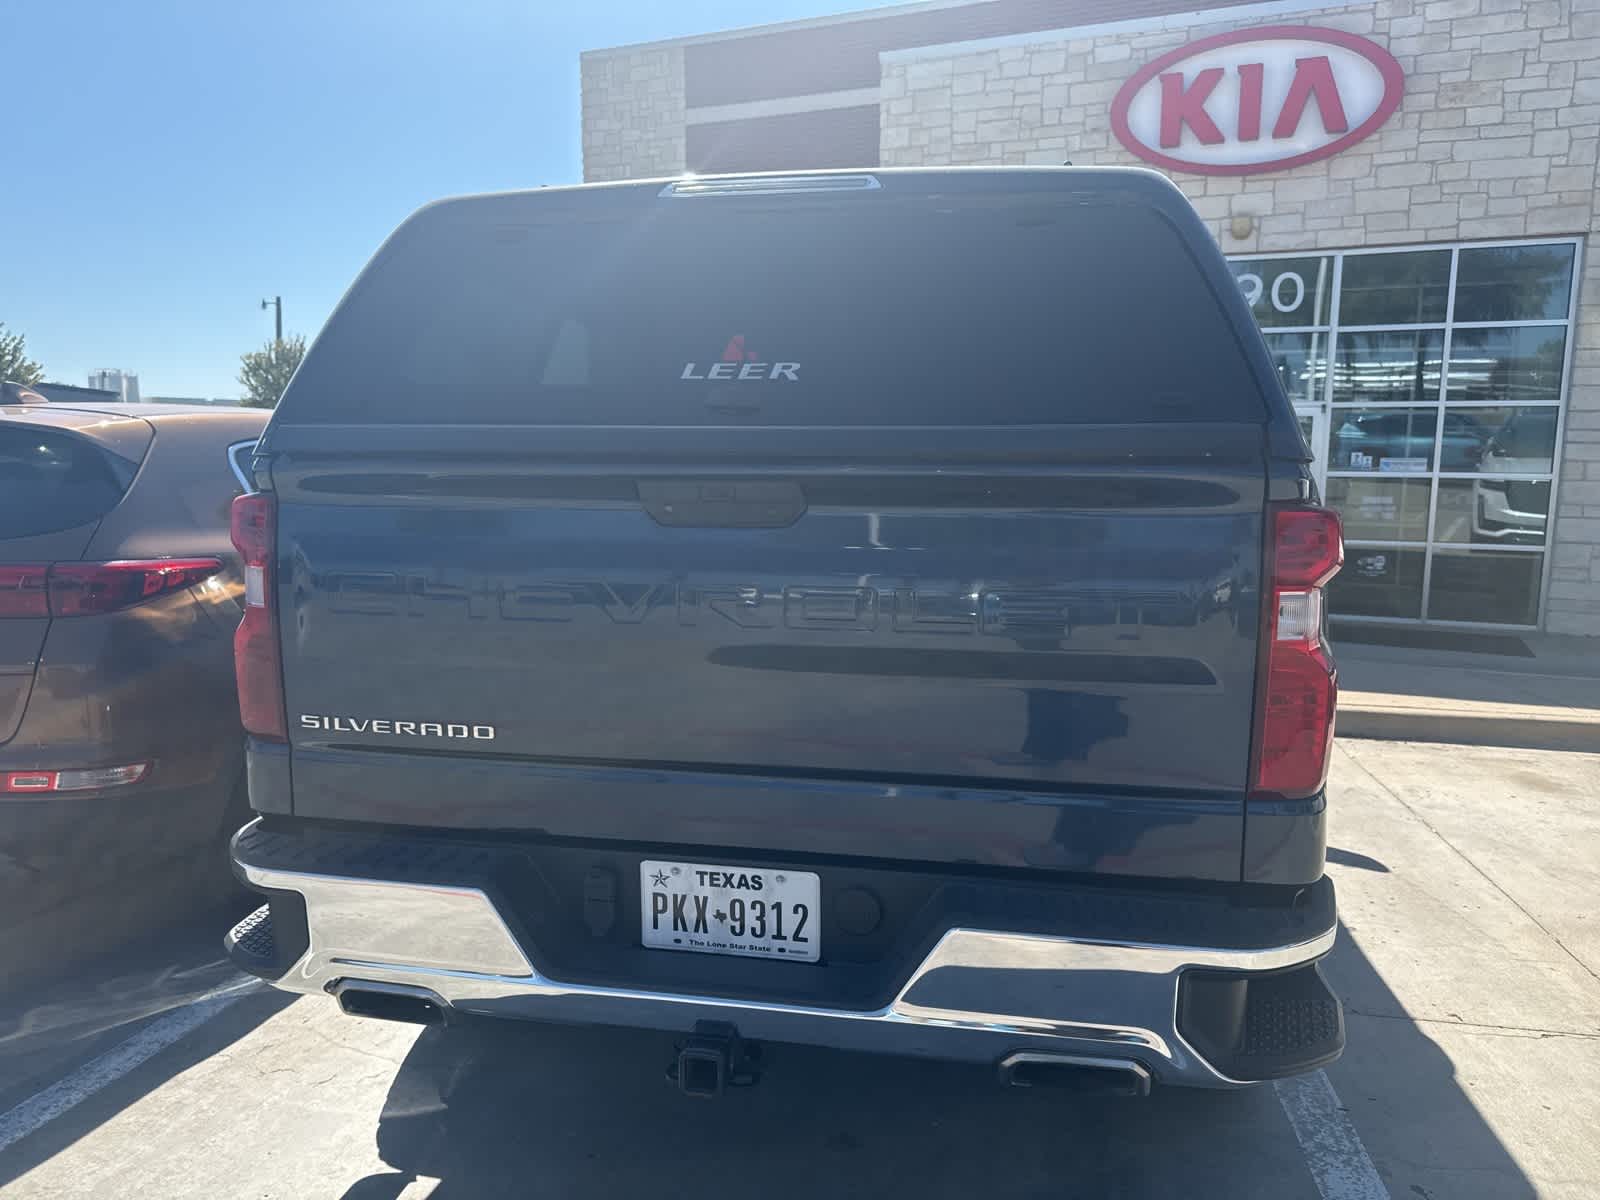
170, 163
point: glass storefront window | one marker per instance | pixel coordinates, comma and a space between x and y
1498, 586
1492, 512
1475, 439
1286, 293
1378, 581
1446, 458
1520, 365
1502, 441
1467, 432
1401, 367
1389, 440
1382, 510
1402, 288
1301, 362
1514, 283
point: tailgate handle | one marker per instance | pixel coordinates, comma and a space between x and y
729, 503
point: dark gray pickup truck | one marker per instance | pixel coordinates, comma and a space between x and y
881, 611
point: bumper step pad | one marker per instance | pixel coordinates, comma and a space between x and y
270, 940
1290, 1021
251, 939
1264, 1026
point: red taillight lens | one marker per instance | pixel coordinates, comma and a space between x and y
22, 591
84, 589
83, 779
1295, 707
1307, 547
258, 667
253, 526
12, 782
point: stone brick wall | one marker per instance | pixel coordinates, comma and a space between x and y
633, 113
1497, 137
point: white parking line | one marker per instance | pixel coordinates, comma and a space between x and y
67, 1093
1339, 1162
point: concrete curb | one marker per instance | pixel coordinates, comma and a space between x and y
1385, 717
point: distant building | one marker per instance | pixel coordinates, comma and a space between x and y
68, 393
124, 383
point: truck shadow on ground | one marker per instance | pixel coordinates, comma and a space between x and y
535, 1110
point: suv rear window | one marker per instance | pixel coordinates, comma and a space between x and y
883, 309
51, 481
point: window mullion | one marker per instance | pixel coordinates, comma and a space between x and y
1438, 432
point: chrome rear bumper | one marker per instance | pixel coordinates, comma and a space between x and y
979, 995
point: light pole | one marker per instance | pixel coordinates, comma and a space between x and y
276, 303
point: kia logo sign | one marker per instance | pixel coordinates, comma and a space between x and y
1257, 100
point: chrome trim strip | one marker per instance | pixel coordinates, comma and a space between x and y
422, 927
763, 185
979, 993
245, 481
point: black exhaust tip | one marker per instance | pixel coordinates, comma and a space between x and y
1079, 1075
384, 1004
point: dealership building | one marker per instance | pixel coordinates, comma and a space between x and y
1405, 188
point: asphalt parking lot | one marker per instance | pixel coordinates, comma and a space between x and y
1469, 962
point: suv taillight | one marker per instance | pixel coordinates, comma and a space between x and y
22, 591
79, 589
1294, 707
257, 665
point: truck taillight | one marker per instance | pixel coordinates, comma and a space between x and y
1295, 704
257, 664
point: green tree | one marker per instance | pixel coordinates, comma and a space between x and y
14, 364
265, 372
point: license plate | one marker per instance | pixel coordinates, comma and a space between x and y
712, 908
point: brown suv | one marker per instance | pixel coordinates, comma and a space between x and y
119, 594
